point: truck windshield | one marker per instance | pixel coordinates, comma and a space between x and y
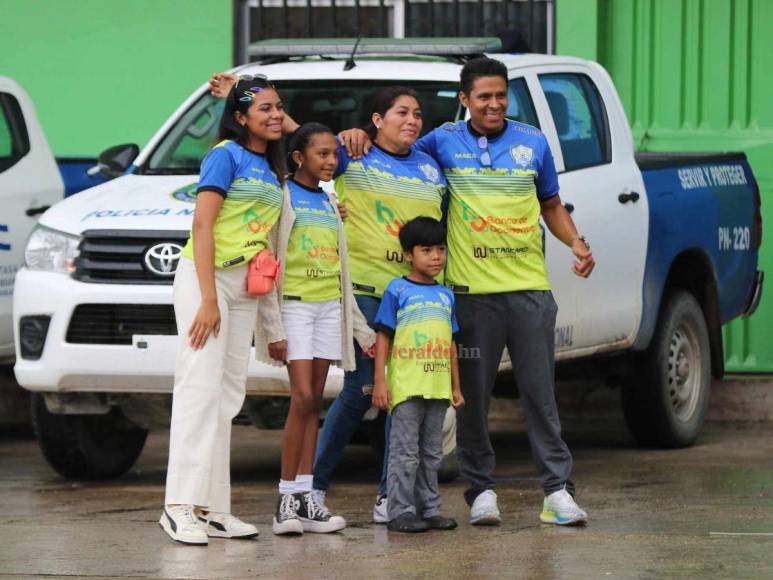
339, 105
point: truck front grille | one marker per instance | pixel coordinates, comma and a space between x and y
117, 323
129, 256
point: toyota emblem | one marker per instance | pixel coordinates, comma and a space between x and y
162, 259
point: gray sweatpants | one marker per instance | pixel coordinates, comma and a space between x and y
524, 322
415, 454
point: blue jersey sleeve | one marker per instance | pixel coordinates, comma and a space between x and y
217, 171
547, 178
386, 317
343, 160
428, 144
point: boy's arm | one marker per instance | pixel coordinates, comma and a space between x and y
456, 388
380, 389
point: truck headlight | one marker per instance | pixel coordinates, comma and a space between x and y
51, 251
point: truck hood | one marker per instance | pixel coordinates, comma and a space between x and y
130, 202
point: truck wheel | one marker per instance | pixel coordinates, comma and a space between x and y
449, 468
665, 402
86, 446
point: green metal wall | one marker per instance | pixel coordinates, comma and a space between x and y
692, 77
102, 72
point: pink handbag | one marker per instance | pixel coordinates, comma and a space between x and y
262, 270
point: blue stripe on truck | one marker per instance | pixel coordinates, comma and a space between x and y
706, 207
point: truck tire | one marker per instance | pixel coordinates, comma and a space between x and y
665, 401
449, 468
86, 446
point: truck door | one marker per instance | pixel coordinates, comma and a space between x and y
521, 108
29, 182
602, 187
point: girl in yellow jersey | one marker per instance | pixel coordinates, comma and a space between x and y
239, 199
309, 321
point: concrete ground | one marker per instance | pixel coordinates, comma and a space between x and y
703, 512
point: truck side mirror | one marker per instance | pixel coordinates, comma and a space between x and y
114, 161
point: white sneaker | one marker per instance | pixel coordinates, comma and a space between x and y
484, 510
181, 524
560, 508
380, 510
221, 525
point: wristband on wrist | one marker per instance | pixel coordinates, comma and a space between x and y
582, 238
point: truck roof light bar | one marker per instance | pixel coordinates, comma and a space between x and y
390, 46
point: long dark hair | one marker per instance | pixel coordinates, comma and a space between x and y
239, 99
385, 100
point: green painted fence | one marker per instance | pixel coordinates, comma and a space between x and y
692, 77
103, 72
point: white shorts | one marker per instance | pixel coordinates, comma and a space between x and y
313, 329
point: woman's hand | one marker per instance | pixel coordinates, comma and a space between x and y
220, 84
207, 322
278, 351
381, 396
458, 399
343, 211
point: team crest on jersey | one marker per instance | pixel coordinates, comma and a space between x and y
522, 155
429, 171
445, 299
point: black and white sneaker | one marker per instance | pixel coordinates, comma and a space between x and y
286, 519
222, 525
181, 524
314, 515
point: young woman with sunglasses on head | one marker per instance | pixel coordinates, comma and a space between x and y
239, 199
309, 321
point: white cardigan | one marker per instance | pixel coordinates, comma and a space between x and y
269, 327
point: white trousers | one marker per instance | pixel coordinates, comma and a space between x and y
209, 389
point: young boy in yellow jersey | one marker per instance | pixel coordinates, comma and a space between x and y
416, 324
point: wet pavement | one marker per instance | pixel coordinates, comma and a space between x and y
702, 512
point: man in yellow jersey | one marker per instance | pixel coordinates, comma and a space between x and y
501, 179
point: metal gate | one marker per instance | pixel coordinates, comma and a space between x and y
523, 25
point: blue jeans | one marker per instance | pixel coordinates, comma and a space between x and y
345, 414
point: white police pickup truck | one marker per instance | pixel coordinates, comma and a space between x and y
675, 236
31, 181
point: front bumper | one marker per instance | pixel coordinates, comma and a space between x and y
146, 366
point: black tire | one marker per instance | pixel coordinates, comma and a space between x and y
665, 401
86, 446
449, 468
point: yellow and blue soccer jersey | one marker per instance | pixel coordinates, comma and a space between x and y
312, 269
253, 200
383, 191
494, 236
421, 320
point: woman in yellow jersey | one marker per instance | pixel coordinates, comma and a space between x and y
309, 321
239, 199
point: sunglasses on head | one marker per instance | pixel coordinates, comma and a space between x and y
250, 92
